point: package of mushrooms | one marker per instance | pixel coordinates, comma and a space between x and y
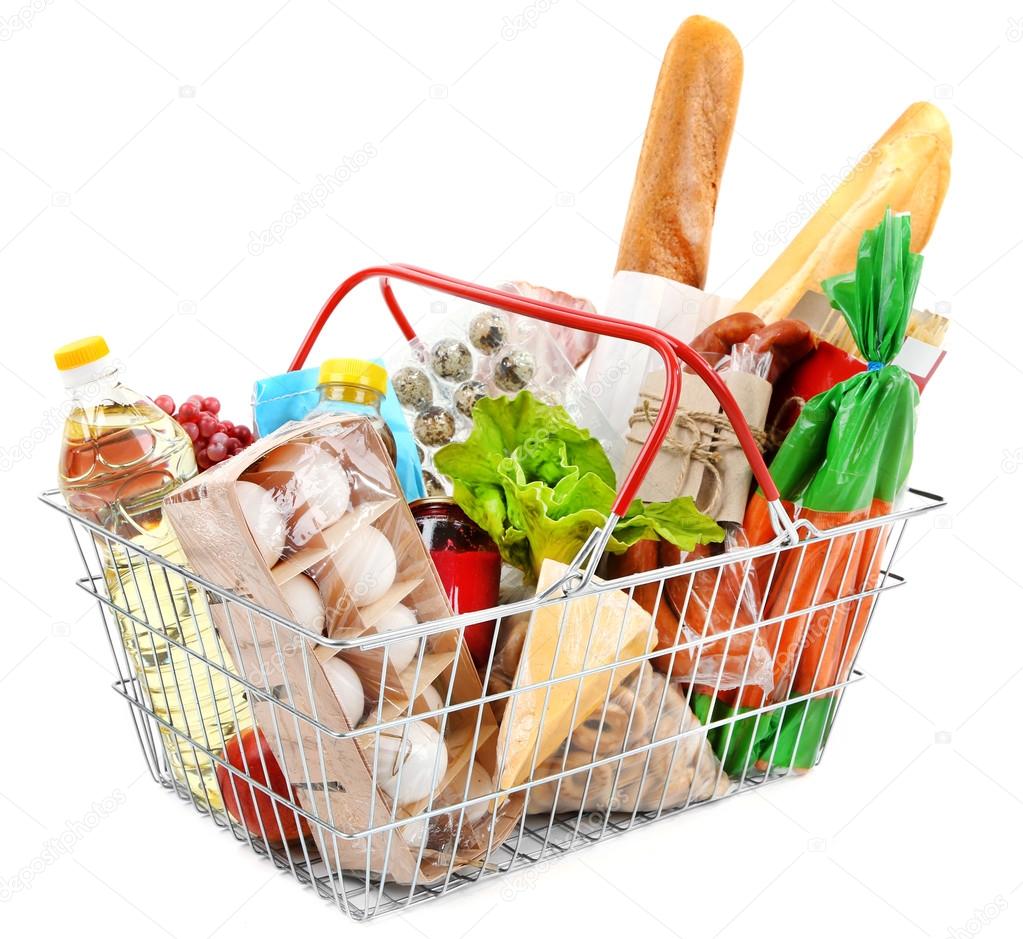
310, 524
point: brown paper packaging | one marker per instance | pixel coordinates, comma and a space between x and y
677, 469
333, 777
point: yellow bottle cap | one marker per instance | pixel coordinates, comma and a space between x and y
80, 352
354, 372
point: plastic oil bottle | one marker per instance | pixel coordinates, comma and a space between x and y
121, 455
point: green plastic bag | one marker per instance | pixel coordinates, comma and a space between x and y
846, 459
853, 443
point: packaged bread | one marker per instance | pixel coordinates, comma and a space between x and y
642, 711
662, 258
907, 170
671, 212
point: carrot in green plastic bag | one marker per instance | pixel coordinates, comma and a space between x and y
846, 459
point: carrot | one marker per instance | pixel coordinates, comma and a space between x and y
814, 649
874, 543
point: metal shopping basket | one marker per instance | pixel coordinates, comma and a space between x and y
634, 757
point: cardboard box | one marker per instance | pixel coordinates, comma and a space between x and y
297, 709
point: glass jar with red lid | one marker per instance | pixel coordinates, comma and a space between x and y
468, 563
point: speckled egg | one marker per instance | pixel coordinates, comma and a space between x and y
412, 387
451, 360
467, 394
435, 426
434, 487
515, 370
488, 331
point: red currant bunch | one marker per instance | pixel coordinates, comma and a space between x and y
214, 439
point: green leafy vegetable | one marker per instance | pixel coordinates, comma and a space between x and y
538, 485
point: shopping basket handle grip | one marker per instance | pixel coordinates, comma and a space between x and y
686, 353
672, 352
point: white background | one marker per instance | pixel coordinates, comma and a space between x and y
142, 144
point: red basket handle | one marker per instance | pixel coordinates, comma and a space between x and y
684, 352
670, 350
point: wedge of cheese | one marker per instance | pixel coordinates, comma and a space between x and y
564, 639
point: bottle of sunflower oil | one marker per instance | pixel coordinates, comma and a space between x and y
120, 456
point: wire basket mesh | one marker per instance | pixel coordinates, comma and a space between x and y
651, 733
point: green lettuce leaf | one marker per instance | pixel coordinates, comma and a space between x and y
538, 485
678, 521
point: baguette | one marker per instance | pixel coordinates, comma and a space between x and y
671, 212
907, 169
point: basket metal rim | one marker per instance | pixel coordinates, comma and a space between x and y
927, 502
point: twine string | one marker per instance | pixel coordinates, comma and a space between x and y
690, 443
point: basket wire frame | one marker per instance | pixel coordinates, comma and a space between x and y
537, 836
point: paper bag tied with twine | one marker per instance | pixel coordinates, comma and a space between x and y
701, 456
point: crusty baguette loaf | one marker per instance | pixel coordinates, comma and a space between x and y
906, 169
667, 229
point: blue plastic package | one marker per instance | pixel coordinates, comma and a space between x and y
291, 396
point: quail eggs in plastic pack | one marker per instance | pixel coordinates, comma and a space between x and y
488, 331
515, 370
412, 388
467, 394
478, 353
434, 426
434, 487
451, 359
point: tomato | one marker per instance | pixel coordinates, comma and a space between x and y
249, 752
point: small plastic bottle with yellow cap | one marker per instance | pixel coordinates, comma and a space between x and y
356, 386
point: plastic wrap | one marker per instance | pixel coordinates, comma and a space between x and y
310, 524
292, 395
477, 353
691, 608
695, 607
846, 459
786, 342
578, 720
644, 709
577, 344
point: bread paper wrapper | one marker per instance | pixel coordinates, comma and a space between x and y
617, 367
